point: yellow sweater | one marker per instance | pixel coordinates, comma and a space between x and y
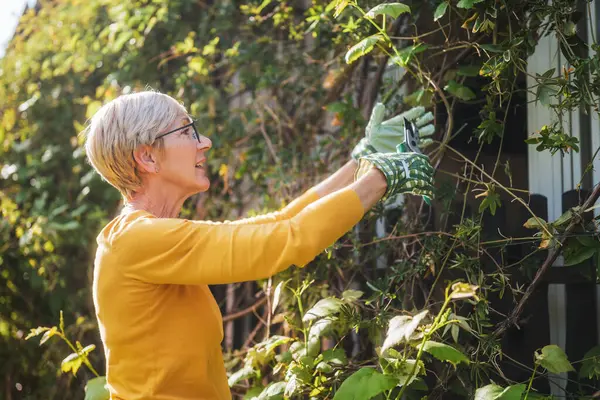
160, 325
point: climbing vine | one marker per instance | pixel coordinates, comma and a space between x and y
284, 89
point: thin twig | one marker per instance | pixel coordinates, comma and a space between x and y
552, 256
266, 136
241, 313
508, 191
252, 335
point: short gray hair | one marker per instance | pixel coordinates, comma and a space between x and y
122, 125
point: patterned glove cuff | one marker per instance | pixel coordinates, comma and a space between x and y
362, 148
364, 166
388, 168
404, 173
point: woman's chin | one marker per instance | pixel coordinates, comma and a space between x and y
202, 184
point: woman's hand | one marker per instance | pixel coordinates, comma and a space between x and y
384, 136
404, 172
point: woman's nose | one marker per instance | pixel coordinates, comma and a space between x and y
204, 143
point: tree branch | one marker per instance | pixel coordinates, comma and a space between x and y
552, 256
241, 313
371, 92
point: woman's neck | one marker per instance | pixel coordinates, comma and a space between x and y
164, 207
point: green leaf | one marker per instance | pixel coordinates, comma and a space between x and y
460, 91
335, 356
365, 46
592, 208
97, 389
462, 290
340, 5
263, 5
391, 9
9, 119
36, 331
488, 392
443, 352
513, 392
71, 363
420, 97
492, 48
454, 331
323, 308
532, 223
198, 65
533, 140
244, 373
588, 241
401, 329
263, 352
277, 295
324, 367
296, 377
405, 54
77, 358
253, 393
440, 11
467, 3
275, 341
364, 384
403, 369
564, 218
491, 201
590, 367
554, 359
548, 74
321, 327
49, 333
273, 392
351, 295
545, 93
290, 386
314, 346
579, 256
121, 40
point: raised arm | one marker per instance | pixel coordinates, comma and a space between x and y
163, 251
338, 180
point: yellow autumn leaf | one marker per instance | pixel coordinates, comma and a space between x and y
544, 244
223, 169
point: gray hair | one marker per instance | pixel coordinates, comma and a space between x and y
122, 125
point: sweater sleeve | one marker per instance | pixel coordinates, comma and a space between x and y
178, 251
287, 212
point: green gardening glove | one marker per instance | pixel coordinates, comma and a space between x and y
404, 172
384, 136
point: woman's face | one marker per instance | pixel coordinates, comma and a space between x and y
183, 162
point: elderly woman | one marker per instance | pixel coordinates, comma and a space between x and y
160, 325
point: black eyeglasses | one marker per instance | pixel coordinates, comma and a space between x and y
196, 135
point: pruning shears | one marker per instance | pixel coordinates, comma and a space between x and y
411, 144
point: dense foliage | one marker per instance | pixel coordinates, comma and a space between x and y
283, 89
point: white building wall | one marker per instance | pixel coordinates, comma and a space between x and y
551, 176
546, 176
594, 10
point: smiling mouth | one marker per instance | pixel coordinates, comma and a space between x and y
200, 165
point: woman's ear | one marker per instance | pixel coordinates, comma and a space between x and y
146, 159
